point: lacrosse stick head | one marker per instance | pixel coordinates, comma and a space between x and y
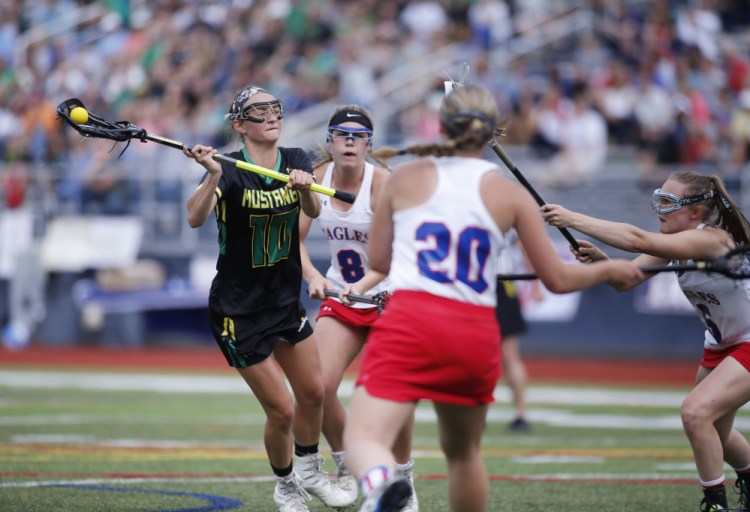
734, 264
120, 131
381, 300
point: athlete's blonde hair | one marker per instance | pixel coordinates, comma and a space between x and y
469, 116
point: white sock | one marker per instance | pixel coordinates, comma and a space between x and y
338, 457
712, 483
405, 469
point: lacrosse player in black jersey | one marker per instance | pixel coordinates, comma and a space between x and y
255, 311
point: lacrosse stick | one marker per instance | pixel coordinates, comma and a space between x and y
379, 299
732, 265
522, 179
124, 131
516, 277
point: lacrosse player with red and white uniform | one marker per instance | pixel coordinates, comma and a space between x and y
698, 221
439, 224
342, 326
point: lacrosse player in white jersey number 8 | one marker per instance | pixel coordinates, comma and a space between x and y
697, 221
342, 326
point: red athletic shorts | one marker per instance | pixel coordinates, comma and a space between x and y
356, 317
432, 348
740, 352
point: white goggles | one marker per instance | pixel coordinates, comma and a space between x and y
662, 202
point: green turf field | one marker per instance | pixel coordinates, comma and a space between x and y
114, 441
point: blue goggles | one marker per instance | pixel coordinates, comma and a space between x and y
662, 202
347, 132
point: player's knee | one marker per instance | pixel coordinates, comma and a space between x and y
693, 415
280, 417
457, 450
311, 395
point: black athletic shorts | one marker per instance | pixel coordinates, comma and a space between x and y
508, 310
249, 339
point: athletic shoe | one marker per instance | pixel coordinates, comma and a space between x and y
289, 495
714, 498
314, 481
344, 479
519, 425
407, 471
742, 487
706, 507
390, 496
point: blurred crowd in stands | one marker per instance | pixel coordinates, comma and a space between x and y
664, 82
669, 79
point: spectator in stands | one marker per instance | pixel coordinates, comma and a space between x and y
583, 142
547, 118
736, 66
740, 130
654, 113
490, 23
425, 19
699, 25
615, 100
91, 183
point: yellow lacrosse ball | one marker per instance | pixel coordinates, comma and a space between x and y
79, 115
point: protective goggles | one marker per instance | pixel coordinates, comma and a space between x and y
262, 111
663, 202
347, 132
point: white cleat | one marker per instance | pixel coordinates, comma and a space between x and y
390, 496
407, 471
344, 479
289, 495
316, 482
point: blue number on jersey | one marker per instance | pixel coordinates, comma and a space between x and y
350, 263
708, 321
472, 251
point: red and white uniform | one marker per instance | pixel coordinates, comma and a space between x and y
438, 338
437, 246
347, 234
723, 305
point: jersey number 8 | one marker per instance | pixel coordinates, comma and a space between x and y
350, 263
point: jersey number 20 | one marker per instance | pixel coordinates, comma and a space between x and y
472, 247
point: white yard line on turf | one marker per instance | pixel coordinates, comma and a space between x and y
139, 480
209, 384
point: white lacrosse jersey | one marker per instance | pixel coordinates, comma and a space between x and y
448, 246
347, 234
722, 303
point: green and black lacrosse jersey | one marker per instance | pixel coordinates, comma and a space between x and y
259, 264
